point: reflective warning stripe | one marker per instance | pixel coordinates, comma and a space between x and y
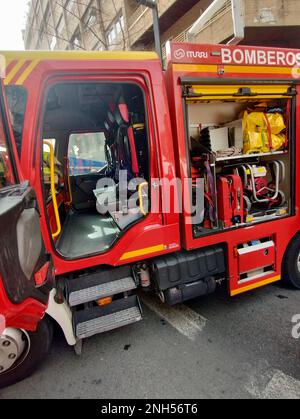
27, 72
255, 285
17, 72
14, 71
143, 252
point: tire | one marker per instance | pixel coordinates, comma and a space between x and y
291, 263
36, 349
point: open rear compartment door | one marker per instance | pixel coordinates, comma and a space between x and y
25, 270
241, 140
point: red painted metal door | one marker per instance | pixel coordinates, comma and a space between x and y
24, 266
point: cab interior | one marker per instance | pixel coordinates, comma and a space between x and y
91, 132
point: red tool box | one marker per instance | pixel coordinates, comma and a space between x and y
230, 200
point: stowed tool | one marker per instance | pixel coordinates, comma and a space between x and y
201, 169
230, 200
258, 192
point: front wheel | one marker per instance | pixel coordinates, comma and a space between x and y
21, 352
291, 263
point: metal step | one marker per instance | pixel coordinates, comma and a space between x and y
99, 284
92, 321
101, 291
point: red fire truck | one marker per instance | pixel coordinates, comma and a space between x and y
221, 119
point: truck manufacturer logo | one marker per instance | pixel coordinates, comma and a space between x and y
197, 54
179, 54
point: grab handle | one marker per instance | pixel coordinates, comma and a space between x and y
53, 189
69, 182
142, 208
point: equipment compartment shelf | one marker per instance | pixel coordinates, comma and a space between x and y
250, 156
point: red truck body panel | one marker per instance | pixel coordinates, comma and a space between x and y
250, 63
158, 234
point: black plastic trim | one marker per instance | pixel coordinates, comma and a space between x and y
188, 81
9, 140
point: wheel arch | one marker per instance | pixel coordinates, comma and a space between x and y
290, 271
62, 315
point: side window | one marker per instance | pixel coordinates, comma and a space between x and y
86, 153
17, 100
6, 169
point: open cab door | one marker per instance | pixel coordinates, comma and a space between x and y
25, 269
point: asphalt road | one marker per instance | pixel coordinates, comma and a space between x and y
213, 347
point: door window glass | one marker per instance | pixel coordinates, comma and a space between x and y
6, 169
17, 100
86, 153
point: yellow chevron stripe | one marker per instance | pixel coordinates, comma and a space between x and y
27, 72
254, 286
14, 71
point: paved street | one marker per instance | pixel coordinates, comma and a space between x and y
214, 347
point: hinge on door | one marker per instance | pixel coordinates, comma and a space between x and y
245, 91
292, 91
186, 91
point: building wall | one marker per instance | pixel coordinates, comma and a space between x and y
178, 31
75, 24
123, 24
267, 22
141, 21
272, 12
219, 28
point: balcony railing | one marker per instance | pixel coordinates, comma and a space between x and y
220, 13
182, 37
134, 17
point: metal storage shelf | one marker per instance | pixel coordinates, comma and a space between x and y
250, 156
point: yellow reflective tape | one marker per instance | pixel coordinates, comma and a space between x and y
80, 55
202, 68
225, 92
14, 71
143, 252
27, 72
254, 286
233, 89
